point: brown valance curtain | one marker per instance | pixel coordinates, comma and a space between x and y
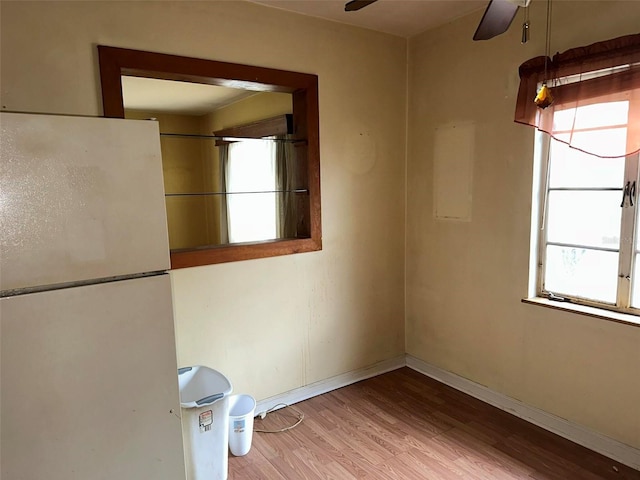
602, 72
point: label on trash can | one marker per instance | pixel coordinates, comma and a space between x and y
238, 426
206, 420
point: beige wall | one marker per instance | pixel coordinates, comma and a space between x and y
274, 324
465, 279
251, 109
185, 167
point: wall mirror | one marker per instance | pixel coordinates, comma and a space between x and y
240, 151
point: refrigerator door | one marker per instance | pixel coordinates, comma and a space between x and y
89, 384
81, 198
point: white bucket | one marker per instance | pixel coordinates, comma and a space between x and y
241, 411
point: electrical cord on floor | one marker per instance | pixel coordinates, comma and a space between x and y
284, 429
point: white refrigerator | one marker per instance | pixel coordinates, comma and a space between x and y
88, 371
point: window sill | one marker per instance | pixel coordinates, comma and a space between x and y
601, 313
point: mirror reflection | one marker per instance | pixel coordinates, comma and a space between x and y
230, 162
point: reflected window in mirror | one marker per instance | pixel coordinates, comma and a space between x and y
222, 186
241, 165
251, 184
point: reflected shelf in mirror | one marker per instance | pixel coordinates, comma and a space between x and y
205, 194
229, 218
230, 139
237, 190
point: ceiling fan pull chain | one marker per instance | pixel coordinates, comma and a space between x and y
544, 97
525, 25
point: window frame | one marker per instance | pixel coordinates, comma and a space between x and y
630, 228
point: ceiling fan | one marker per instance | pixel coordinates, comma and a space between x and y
354, 5
496, 19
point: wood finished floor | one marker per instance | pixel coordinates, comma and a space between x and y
403, 425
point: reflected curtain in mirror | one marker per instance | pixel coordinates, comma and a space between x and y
258, 188
286, 182
223, 156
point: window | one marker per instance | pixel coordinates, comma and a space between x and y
587, 245
589, 214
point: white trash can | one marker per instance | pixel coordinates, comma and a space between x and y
204, 398
241, 411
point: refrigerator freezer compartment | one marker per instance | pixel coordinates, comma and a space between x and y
81, 198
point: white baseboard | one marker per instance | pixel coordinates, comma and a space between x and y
587, 438
333, 383
597, 442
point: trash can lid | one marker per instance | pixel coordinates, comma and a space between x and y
200, 386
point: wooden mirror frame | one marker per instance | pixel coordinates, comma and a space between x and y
116, 62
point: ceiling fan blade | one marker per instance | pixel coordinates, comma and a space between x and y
496, 19
354, 5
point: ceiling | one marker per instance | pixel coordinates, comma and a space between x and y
404, 18
152, 94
